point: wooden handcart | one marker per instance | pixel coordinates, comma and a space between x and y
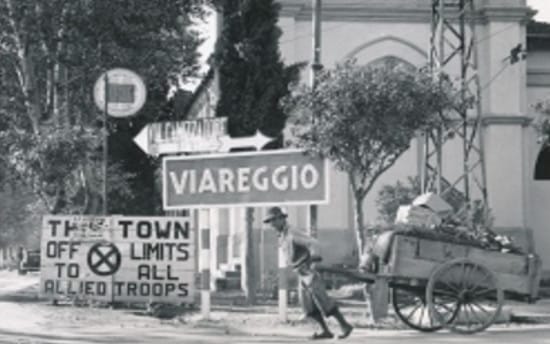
437, 284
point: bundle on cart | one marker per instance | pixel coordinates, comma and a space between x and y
431, 217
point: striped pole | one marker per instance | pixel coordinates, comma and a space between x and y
283, 286
204, 261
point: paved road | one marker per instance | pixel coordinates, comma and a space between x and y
27, 321
179, 335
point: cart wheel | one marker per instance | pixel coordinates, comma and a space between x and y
412, 308
469, 288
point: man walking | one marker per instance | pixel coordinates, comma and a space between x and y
299, 251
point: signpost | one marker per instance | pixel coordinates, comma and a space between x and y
203, 135
119, 93
126, 259
244, 179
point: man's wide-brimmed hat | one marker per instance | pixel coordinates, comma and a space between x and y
274, 213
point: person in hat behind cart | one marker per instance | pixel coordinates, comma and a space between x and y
299, 250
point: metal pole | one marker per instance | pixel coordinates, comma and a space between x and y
105, 144
315, 67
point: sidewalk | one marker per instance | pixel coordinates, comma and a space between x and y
538, 312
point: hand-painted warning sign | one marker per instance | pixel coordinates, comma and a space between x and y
126, 259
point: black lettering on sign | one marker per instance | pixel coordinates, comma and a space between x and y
144, 289
183, 253
101, 288
73, 249
183, 289
144, 272
118, 288
170, 246
73, 270
182, 231
69, 227
151, 250
144, 230
89, 288
134, 253
49, 286
169, 274
55, 249
72, 289
59, 267
132, 287
159, 229
53, 225
158, 289
170, 287
125, 227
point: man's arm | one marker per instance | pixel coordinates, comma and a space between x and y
303, 239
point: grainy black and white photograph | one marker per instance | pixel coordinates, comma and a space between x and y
274, 171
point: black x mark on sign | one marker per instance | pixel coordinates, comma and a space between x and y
104, 259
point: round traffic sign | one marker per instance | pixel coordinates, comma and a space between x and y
104, 259
120, 91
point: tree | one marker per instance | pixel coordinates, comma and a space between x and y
252, 79
363, 119
51, 53
252, 75
542, 123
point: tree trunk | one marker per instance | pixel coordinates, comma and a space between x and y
359, 223
377, 293
250, 261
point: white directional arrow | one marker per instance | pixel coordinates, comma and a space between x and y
142, 140
154, 139
257, 141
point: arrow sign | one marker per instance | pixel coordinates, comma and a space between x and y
204, 135
257, 141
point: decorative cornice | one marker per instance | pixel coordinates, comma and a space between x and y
505, 119
509, 14
396, 11
291, 10
538, 77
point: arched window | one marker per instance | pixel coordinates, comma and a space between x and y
542, 166
392, 61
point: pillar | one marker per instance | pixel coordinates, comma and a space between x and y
204, 260
504, 112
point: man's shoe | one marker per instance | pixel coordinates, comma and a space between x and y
346, 332
323, 335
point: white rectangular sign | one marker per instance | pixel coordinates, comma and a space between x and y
126, 259
262, 178
201, 135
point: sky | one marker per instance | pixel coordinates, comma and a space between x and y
543, 6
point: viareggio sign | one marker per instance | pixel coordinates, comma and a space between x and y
123, 259
245, 179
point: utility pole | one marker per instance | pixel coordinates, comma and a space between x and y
315, 67
105, 143
453, 43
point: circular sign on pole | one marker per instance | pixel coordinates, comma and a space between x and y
125, 92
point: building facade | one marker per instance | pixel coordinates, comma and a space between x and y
518, 183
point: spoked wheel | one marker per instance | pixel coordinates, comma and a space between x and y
412, 308
470, 289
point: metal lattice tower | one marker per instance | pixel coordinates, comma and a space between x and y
453, 50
